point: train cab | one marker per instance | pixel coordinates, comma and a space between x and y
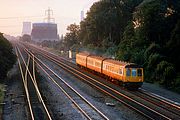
134, 76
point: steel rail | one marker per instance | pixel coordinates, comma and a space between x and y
165, 103
38, 93
26, 72
25, 86
34, 75
171, 103
36, 88
92, 106
76, 104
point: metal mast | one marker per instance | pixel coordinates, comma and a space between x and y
49, 19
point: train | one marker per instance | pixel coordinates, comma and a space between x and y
128, 75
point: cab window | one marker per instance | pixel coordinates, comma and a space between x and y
133, 72
128, 72
139, 72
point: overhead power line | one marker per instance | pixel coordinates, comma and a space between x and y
7, 26
20, 17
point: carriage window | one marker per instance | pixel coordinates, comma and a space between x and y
133, 72
139, 72
120, 71
128, 72
97, 64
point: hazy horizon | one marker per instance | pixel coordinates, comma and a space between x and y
14, 13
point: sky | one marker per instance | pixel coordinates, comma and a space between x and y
14, 12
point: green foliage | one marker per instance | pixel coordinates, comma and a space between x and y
177, 85
151, 38
137, 57
72, 37
26, 38
124, 53
150, 16
153, 48
154, 59
166, 74
173, 46
7, 57
106, 21
145, 32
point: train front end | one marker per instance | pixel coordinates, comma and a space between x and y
134, 76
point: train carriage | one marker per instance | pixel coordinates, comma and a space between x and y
113, 69
129, 74
81, 59
94, 63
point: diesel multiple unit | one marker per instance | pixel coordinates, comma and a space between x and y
129, 75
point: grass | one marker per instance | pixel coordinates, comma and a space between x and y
177, 85
1, 92
1, 97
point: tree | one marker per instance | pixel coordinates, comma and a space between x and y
173, 46
152, 49
72, 37
106, 21
26, 38
145, 32
7, 57
166, 73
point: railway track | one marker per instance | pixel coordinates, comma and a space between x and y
165, 100
83, 105
148, 110
159, 101
36, 105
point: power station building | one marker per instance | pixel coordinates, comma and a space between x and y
44, 32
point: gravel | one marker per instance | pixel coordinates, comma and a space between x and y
15, 105
59, 104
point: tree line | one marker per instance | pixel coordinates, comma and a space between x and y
146, 32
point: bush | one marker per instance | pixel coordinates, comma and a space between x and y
166, 74
177, 85
7, 57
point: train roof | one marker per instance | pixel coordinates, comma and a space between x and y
83, 53
96, 57
116, 62
109, 60
122, 63
90, 55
